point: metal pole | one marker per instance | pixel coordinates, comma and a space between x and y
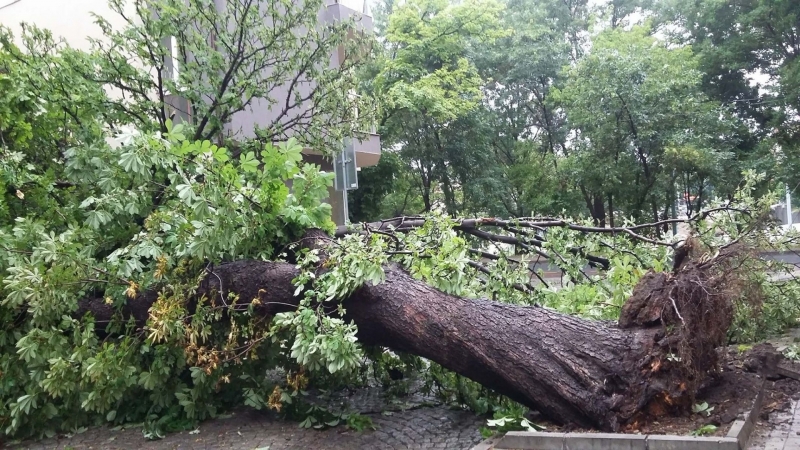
345, 184
674, 209
346, 212
788, 206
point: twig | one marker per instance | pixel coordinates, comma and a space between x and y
524, 288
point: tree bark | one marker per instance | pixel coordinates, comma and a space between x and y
565, 367
588, 373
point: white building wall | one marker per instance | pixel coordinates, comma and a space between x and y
69, 19
72, 19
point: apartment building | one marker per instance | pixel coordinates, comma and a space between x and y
72, 20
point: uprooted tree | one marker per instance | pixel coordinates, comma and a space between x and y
231, 275
573, 370
159, 280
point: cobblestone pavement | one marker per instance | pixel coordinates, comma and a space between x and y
413, 421
421, 428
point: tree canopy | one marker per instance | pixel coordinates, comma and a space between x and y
616, 109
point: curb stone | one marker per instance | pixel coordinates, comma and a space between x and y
743, 428
488, 444
736, 438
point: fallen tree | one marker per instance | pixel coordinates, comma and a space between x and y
584, 372
124, 309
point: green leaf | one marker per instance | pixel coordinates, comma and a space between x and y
248, 162
186, 193
131, 162
26, 403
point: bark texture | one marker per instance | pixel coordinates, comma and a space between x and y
569, 369
588, 373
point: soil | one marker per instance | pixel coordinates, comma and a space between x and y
731, 394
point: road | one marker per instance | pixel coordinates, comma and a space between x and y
787, 257
552, 274
551, 270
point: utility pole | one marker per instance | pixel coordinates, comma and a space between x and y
788, 206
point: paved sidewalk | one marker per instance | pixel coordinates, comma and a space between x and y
416, 420
781, 432
422, 428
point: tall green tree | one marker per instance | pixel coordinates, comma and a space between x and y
528, 130
749, 55
387, 189
428, 86
629, 101
228, 58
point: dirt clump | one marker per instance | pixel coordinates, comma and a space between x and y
729, 394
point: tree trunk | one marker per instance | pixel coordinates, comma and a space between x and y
654, 209
595, 203
583, 372
560, 365
611, 209
599, 210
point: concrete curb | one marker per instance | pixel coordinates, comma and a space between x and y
736, 439
742, 429
488, 444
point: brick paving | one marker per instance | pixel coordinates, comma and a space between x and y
416, 420
422, 428
782, 430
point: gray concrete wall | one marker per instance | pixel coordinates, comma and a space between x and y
779, 213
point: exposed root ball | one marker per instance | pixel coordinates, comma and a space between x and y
692, 311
